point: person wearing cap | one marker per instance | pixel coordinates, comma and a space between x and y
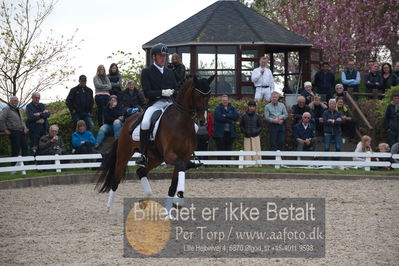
251, 126
159, 84
391, 120
263, 81
80, 103
308, 92
131, 99
113, 120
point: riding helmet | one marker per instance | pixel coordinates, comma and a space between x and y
159, 48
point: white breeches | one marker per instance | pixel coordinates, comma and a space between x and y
161, 104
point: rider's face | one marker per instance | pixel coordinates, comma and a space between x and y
160, 59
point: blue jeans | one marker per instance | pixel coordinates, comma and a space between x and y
101, 102
106, 128
85, 117
328, 137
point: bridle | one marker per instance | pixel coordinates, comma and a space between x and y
193, 113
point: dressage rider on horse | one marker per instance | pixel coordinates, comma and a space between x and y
159, 84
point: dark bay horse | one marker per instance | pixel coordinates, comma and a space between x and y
174, 143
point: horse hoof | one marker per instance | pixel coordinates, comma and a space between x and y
179, 200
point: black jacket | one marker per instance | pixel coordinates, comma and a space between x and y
80, 100
128, 100
31, 121
111, 114
179, 71
297, 112
250, 125
391, 118
153, 82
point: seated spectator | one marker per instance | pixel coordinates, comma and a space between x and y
374, 79
113, 120
12, 124
131, 99
388, 78
363, 146
224, 131
308, 92
304, 134
276, 114
37, 124
332, 126
318, 109
115, 78
82, 139
339, 91
251, 126
350, 77
391, 119
348, 123
52, 144
299, 109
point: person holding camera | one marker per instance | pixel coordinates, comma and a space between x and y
179, 70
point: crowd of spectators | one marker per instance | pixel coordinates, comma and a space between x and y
319, 114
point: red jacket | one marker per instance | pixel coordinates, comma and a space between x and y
210, 124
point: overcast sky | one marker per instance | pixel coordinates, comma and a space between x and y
107, 26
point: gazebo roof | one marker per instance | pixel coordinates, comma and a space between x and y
228, 22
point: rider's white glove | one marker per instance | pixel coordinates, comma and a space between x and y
167, 92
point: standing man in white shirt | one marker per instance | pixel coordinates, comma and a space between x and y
263, 80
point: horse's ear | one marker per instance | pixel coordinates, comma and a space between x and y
210, 79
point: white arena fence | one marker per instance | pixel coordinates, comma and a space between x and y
278, 159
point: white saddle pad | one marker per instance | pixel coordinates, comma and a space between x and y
136, 131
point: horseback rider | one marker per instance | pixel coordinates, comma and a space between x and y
159, 84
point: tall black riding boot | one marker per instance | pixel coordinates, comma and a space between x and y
144, 141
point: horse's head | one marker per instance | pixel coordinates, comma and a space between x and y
194, 96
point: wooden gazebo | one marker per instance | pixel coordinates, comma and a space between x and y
228, 38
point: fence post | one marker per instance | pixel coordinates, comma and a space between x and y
241, 158
278, 158
21, 163
368, 160
58, 163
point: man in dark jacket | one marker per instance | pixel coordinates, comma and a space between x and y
224, 131
299, 109
391, 120
374, 79
332, 126
80, 103
37, 124
131, 99
324, 81
251, 126
304, 133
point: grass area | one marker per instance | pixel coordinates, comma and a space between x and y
30, 174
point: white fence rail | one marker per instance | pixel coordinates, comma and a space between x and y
277, 159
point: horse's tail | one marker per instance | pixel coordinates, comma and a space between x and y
107, 177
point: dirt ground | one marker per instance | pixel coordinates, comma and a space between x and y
70, 224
